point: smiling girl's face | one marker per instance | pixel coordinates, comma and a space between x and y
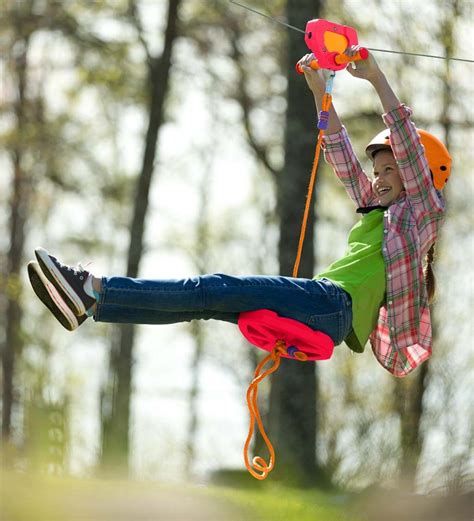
387, 183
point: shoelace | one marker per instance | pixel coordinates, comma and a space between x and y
76, 270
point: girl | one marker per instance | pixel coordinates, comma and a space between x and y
377, 290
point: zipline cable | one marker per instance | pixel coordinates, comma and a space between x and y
269, 17
420, 54
251, 9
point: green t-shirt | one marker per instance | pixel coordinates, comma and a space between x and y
361, 272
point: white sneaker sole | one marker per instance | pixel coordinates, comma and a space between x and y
55, 277
51, 298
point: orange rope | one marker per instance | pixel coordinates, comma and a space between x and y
259, 468
326, 104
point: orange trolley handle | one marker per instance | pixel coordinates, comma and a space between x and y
339, 59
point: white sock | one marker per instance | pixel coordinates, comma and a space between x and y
88, 288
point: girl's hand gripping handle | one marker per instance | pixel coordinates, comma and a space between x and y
339, 59
361, 54
313, 64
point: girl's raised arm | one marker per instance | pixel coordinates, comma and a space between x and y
369, 70
316, 81
337, 147
404, 139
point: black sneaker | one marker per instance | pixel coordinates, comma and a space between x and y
68, 280
51, 298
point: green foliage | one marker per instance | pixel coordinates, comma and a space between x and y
272, 503
66, 499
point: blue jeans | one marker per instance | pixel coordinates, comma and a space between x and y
320, 304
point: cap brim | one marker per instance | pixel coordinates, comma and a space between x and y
371, 150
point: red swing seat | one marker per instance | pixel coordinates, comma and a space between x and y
264, 328
282, 337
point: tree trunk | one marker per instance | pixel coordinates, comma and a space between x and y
13, 342
201, 254
190, 449
115, 450
409, 396
293, 396
411, 409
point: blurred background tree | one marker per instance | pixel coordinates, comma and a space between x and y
92, 97
116, 417
40, 143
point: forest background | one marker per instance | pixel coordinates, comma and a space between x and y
166, 139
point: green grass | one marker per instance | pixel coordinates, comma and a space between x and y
26, 497
274, 503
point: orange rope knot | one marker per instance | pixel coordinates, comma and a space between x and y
259, 468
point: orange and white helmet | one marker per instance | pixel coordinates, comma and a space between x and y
436, 153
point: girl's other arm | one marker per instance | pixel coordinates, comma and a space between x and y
316, 81
405, 141
337, 147
369, 70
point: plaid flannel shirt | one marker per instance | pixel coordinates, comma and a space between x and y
401, 341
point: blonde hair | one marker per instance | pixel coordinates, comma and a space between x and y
429, 275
